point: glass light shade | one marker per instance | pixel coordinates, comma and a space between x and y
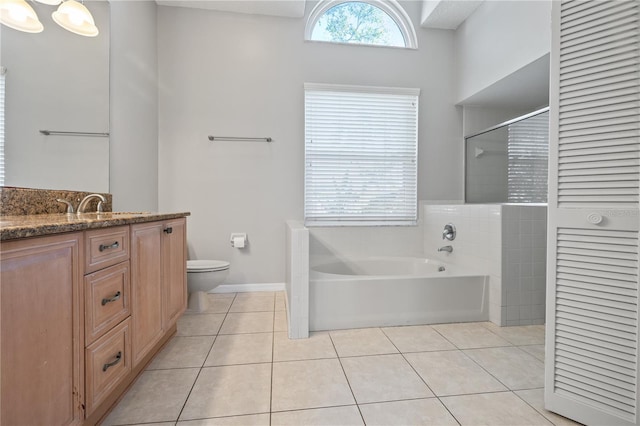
75, 17
17, 14
50, 2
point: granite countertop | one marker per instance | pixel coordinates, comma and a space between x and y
23, 226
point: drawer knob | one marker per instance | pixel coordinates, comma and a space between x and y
111, 299
106, 366
104, 247
168, 230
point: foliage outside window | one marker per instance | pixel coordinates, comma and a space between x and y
372, 22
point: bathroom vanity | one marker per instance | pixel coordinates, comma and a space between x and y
86, 302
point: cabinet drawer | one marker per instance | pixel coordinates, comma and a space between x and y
108, 362
106, 247
107, 299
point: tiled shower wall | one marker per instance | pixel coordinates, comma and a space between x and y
506, 242
524, 249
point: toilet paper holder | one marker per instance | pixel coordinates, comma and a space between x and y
238, 239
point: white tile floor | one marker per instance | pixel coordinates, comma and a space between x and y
234, 365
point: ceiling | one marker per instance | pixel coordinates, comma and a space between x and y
283, 8
527, 88
442, 14
447, 14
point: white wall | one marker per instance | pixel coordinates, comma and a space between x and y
134, 106
57, 80
327, 244
241, 75
499, 38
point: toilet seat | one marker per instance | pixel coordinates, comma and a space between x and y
206, 265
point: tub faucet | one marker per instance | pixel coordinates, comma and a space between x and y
85, 201
448, 249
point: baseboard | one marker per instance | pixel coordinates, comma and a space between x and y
243, 288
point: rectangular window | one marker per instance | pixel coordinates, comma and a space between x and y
361, 150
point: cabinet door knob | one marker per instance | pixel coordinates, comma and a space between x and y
111, 299
106, 366
168, 230
594, 218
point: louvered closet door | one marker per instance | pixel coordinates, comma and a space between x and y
592, 309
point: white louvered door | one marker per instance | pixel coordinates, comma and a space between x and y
594, 161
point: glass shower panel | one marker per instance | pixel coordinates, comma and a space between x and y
528, 160
508, 163
486, 167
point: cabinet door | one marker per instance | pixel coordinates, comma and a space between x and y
146, 287
174, 263
41, 344
592, 326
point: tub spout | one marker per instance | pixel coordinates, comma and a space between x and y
448, 249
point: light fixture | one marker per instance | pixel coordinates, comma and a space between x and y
50, 2
75, 17
17, 14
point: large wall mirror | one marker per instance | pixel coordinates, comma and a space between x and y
57, 81
508, 163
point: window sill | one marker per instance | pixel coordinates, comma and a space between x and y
358, 223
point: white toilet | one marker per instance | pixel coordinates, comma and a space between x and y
203, 276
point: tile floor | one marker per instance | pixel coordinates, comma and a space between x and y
234, 365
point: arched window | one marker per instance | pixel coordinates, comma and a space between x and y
375, 22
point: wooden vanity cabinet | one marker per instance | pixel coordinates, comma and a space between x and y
107, 309
146, 297
158, 268
82, 313
174, 261
41, 318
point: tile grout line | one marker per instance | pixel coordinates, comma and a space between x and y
493, 375
459, 348
347, 379
410, 365
273, 338
323, 407
358, 405
422, 378
534, 408
204, 362
506, 338
478, 364
485, 370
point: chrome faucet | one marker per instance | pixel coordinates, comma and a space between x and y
449, 232
448, 249
68, 204
85, 201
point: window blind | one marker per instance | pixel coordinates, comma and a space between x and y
527, 160
361, 147
3, 72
